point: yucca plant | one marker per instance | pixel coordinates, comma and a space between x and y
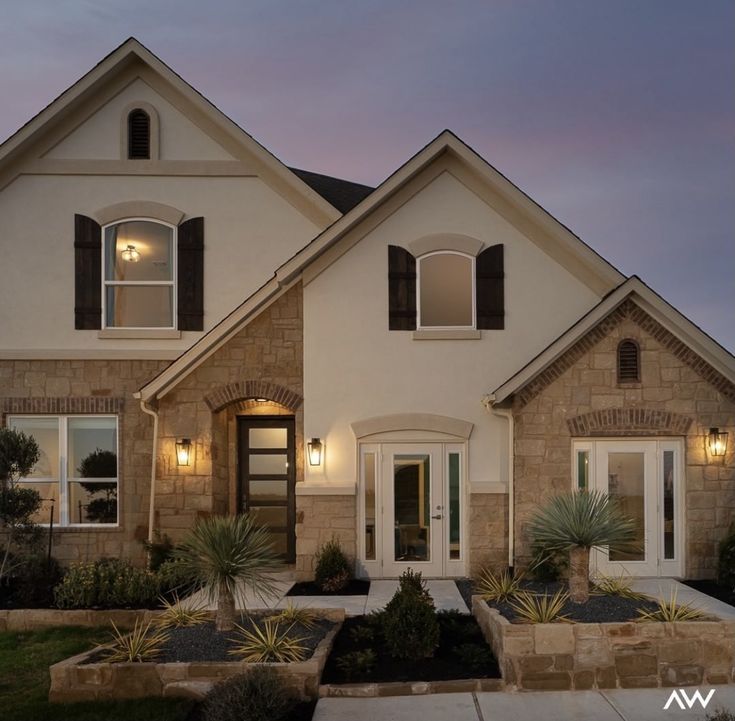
577, 522
140, 644
540, 609
498, 587
671, 611
268, 644
226, 554
615, 586
294, 614
176, 615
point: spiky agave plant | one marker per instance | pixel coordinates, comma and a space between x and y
498, 586
141, 644
577, 522
542, 608
226, 555
616, 586
177, 614
671, 611
293, 614
269, 644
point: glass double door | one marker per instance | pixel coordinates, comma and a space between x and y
644, 477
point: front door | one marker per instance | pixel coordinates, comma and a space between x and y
644, 477
267, 473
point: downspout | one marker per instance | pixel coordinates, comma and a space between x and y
489, 402
152, 505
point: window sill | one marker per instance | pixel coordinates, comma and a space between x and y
143, 333
448, 334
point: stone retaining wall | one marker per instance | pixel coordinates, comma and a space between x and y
30, 619
74, 680
564, 656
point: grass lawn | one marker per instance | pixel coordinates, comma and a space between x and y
24, 681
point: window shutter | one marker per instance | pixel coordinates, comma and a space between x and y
489, 281
87, 273
190, 277
401, 289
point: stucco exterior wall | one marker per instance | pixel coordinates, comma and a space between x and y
673, 380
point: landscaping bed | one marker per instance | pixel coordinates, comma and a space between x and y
462, 653
355, 587
714, 589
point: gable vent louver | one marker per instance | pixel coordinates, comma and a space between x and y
628, 361
139, 135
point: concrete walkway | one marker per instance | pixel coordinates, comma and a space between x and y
614, 705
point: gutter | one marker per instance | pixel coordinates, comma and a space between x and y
152, 505
489, 402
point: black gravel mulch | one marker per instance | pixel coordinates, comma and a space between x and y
599, 609
714, 589
205, 643
356, 587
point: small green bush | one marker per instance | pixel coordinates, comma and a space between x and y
33, 581
474, 657
174, 579
259, 695
726, 561
357, 663
411, 627
332, 570
107, 583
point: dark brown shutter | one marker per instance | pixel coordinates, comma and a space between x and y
401, 289
489, 281
628, 361
191, 275
139, 135
87, 273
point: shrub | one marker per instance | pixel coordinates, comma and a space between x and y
159, 550
332, 570
473, 656
259, 695
33, 581
726, 561
106, 583
411, 627
174, 579
357, 663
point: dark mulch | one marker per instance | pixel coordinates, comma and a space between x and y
599, 609
714, 589
462, 653
356, 587
205, 643
465, 587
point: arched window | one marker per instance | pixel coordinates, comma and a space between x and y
139, 135
446, 297
629, 361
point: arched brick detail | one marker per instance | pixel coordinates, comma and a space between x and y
629, 422
243, 390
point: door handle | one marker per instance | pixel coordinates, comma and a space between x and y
438, 516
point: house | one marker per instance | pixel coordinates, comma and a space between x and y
191, 327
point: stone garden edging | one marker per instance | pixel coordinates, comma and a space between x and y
30, 619
73, 680
410, 688
564, 656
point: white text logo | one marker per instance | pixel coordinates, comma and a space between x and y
681, 697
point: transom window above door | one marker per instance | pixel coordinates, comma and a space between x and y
446, 290
138, 278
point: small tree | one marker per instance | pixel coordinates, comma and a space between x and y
18, 455
226, 554
577, 522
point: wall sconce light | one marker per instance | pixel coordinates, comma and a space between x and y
130, 254
183, 452
315, 449
717, 441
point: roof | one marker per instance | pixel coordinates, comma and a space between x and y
344, 195
562, 245
634, 288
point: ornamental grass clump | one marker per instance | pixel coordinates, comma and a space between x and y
616, 586
292, 614
543, 608
140, 644
227, 555
498, 587
178, 615
577, 522
410, 624
269, 644
671, 611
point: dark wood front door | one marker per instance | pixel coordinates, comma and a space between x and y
267, 475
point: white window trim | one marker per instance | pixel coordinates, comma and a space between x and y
63, 479
419, 325
157, 283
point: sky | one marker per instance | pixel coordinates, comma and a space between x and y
617, 116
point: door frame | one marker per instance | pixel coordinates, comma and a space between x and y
381, 448
657, 446
243, 496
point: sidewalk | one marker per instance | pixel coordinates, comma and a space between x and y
613, 705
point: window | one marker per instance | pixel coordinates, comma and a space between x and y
139, 289
77, 471
628, 362
446, 290
139, 135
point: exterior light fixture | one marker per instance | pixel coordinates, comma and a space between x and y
130, 254
717, 441
183, 452
315, 449
261, 400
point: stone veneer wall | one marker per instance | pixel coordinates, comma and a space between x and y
488, 531
53, 387
679, 396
